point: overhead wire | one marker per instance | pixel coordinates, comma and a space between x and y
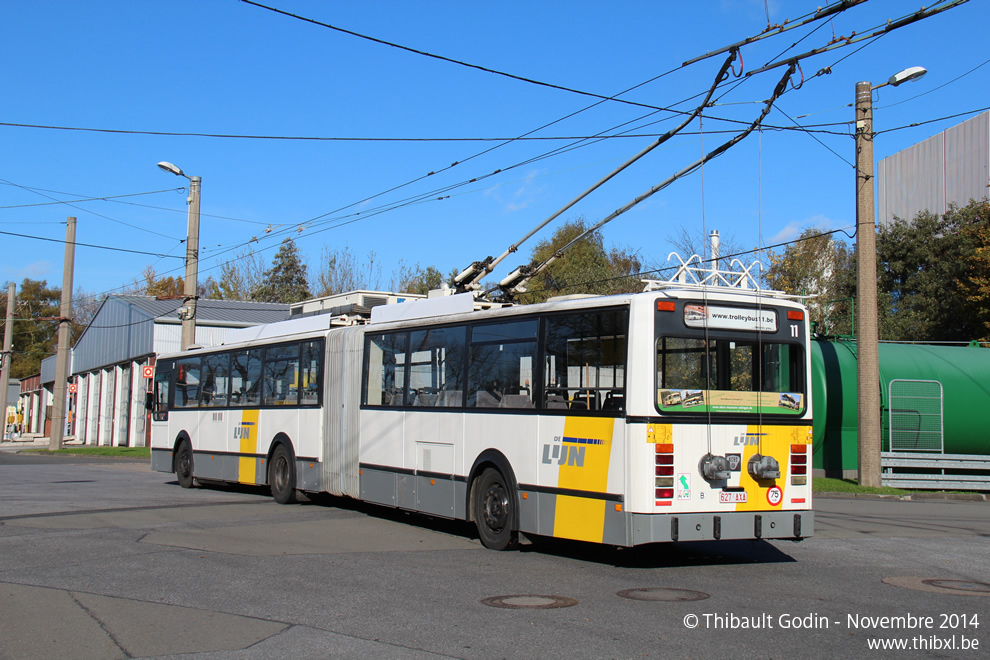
500, 169
513, 288
89, 245
417, 199
84, 210
87, 199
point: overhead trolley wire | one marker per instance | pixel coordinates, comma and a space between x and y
422, 197
84, 210
91, 245
87, 199
513, 285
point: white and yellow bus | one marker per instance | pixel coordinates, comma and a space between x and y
677, 414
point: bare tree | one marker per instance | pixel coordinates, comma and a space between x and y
239, 276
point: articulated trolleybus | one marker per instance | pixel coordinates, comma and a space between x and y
680, 413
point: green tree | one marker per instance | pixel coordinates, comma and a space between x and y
587, 267
977, 286
33, 339
418, 279
817, 265
286, 280
931, 270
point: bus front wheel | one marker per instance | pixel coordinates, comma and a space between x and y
184, 464
494, 511
282, 476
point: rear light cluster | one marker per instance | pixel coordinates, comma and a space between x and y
664, 473
799, 465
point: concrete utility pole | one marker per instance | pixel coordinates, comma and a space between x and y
64, 337
8, 338
192, 265
867, 330
867, 324
188, 311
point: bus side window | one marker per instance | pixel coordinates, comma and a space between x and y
585, 362
281, 376
159, 401
187, 383
216, 372
385, 361
311, 377
245, 378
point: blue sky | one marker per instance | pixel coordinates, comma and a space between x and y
226, 67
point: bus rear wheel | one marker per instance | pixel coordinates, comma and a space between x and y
494, 511
282, 476
184, 464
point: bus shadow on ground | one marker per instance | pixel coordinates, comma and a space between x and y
653, 555
664, 555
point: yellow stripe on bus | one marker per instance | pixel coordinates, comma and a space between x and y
588, 443
247, 466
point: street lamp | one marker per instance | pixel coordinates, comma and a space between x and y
188, 311
867, 326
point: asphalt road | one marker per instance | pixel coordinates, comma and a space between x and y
103, 558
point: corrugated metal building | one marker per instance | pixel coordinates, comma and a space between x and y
952, 167
125, 335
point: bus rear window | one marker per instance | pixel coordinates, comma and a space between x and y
697, 375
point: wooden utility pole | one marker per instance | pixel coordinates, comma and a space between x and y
64, 337
8, 338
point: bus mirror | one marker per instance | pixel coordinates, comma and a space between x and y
149, 400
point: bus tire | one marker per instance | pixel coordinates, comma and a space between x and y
184, 464
495, 511
282, 475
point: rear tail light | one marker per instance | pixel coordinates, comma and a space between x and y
799, 465
665, 473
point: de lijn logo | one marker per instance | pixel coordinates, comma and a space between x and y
568, 451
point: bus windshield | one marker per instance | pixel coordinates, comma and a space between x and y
696, 375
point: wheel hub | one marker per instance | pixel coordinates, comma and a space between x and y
496, 507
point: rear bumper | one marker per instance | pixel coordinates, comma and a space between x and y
663, 528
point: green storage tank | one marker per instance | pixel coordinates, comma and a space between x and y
935, 388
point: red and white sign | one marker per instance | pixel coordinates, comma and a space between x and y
72, 388
774, 495
148, 372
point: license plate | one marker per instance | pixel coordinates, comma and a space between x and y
732, 497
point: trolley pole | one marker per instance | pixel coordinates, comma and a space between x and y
64, 337
5, 359
867, 327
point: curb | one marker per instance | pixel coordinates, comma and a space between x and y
913, 497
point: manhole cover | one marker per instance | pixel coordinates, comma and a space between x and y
960, 585
529, 602
663, 594
939, 586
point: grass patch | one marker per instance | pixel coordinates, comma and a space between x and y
826, 485
118, 452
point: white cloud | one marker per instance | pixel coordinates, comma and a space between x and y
794, 228
36, 270
525, 194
